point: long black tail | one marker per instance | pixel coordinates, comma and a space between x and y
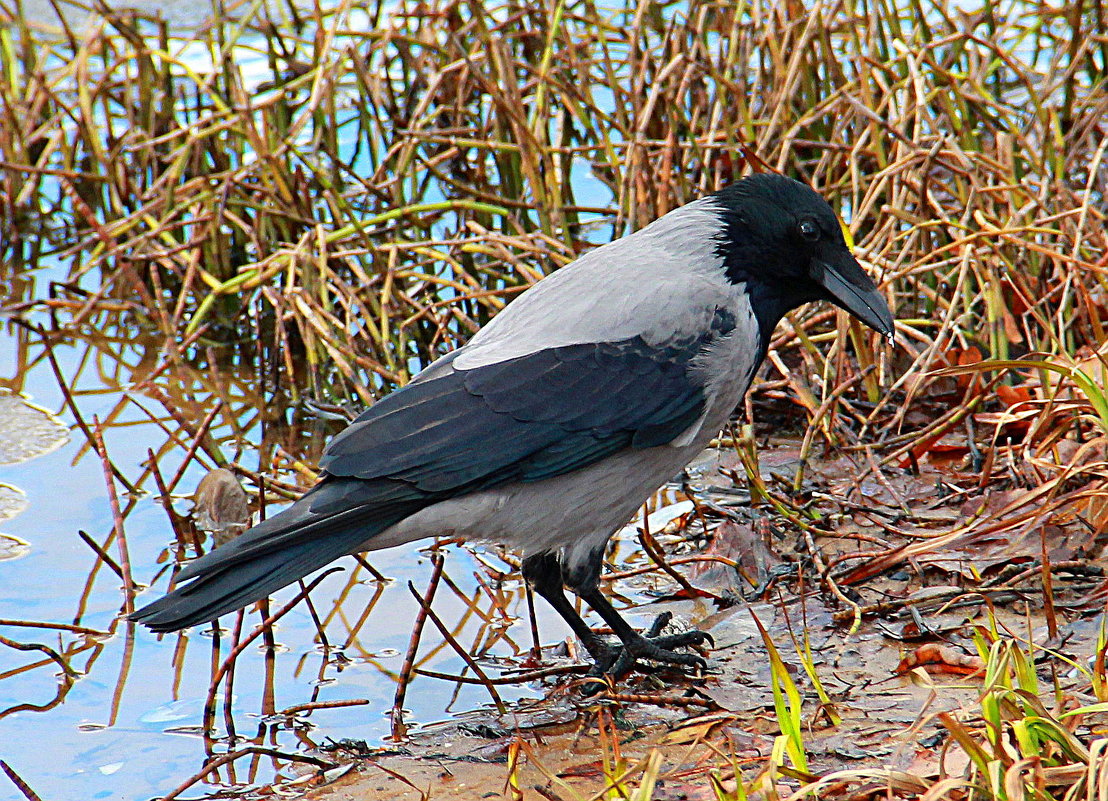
336, 517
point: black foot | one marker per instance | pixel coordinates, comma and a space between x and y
616, 661
543, 572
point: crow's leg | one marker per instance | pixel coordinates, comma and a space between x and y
545, 573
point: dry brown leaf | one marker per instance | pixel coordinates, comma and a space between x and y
937, 658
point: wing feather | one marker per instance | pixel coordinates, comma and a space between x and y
524, 419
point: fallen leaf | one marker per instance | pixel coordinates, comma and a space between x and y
221, 506
936, 658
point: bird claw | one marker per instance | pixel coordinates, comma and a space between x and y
616, 661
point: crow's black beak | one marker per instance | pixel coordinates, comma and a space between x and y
849, 288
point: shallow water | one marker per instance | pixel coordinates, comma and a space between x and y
128, 726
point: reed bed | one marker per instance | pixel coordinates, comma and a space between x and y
324, 199
371, 183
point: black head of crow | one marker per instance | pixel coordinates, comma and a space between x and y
785, 242
548, 430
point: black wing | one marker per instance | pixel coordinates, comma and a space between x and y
523, 419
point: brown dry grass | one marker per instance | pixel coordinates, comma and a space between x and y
383, 178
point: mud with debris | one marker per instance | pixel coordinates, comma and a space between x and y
900, 644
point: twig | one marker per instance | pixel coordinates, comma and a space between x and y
684, 560
198, 439
453, 643
654, 551
496, 604
319, 628
398, 727
34, 624
117, 518
167, 503
516, 678
308, 707
536, 642
269, 621
47, 341
219, 762
46, 649
17, 780
829, 581
935, 594
658, 700
1048, 587
105, 557
372, 570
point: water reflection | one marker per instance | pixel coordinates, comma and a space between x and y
167, 415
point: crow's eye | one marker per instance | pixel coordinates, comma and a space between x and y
808, 229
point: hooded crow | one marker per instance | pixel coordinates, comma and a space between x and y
551, 427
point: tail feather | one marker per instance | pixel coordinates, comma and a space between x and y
222, 591
337, 517
334, 507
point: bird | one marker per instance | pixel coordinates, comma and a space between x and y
555, 422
